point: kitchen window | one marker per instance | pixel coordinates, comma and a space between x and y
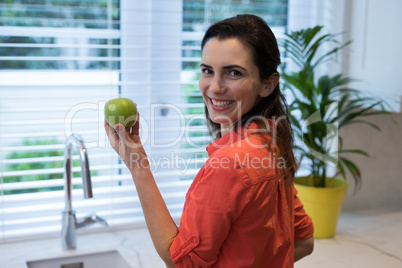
61, 60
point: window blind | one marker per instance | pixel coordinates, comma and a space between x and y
61, 60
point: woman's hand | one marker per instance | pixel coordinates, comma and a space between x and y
128, 145
303, 248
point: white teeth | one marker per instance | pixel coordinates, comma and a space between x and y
221, 103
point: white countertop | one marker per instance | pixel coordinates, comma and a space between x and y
134, 245
368, 239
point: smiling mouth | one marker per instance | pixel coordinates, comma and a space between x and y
220, 103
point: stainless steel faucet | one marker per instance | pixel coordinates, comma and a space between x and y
69, 222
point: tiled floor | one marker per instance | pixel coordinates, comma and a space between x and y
364, 239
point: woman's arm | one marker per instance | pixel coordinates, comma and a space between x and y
303, 248
160, 224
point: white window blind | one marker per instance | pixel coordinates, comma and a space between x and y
60, 60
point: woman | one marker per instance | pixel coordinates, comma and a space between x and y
241, 209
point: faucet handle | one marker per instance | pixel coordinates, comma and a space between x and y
100, 220
82, 222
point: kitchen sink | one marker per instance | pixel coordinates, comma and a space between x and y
105, 259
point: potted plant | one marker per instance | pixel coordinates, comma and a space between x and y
320, 107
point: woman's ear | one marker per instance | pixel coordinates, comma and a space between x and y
270, 85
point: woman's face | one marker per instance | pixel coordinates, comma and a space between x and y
230, 82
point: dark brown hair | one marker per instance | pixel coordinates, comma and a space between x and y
254, 33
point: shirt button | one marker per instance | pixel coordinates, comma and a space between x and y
195, 239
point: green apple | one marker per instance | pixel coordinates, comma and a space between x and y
121, 110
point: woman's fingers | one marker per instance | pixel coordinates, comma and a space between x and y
136, 127
122, 140
109, 129
123, 134
111, 133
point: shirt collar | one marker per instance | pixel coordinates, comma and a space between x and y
233, 137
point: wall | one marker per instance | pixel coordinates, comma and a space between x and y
382, 172
375, 55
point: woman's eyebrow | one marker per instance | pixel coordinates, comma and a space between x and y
206, 66
224, 67
234, 66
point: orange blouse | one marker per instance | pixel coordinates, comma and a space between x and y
238, 211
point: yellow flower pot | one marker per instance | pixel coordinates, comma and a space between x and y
323, 205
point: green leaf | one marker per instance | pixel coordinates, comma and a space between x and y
326, 55
356, 151
341, 169
350, 116
314, 47
361, 122
340, 142
353, 169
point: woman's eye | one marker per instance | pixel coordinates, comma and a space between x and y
235, 73
206, 71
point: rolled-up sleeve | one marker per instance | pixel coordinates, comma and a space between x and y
303, 225
215, 202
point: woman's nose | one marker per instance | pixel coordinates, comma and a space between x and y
217, 86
